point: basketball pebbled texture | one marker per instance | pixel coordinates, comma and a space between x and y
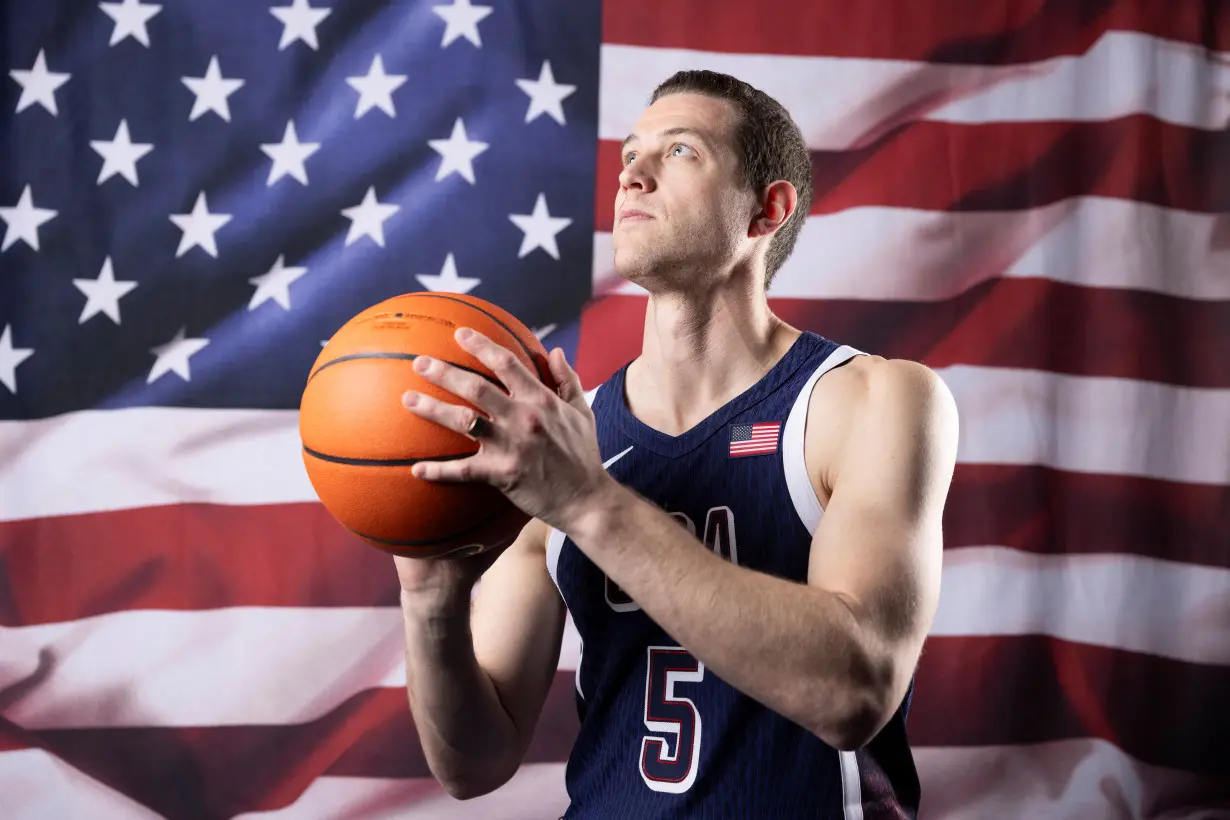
359, 442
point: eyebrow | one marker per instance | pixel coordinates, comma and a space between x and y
669, 132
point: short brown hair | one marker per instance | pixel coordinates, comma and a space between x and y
769, 142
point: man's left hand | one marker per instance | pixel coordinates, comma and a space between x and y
538, 447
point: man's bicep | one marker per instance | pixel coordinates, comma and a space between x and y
879, 542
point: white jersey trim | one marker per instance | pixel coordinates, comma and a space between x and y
809, 509
851, 787
802, 492
555, 543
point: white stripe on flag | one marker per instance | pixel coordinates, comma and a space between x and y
35, 785
901, 254
1127, 602
842, 102
1091, 424
123, 459
1062, 780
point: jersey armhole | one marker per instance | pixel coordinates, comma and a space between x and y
798, 481
555, 545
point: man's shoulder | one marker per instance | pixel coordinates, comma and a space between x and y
904, 398
873, 384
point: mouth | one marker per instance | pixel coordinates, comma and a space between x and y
633, 215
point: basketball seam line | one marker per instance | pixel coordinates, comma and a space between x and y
406, 356
382, 462
448, 537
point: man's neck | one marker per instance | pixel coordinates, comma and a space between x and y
700, 351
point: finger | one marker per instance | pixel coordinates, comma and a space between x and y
502, 362
570, 387
446, 414
474, 387
451, 472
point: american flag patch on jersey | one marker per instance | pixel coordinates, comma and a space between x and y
754, 439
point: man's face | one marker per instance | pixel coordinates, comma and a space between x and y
681, 215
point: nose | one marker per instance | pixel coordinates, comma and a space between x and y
636, 176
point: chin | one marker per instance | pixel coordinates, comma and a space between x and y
645, 265
631, 265
655, 279
637, 268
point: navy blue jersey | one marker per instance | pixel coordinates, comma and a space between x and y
661, 736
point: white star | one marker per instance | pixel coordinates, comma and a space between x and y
24, 220
174, 355
274, 285
289, 155
544, 332
299, 22
211, 92
103, 294
546, 95
38, 85
447, 281
130, 18
376, 89
457, 153
120, 155
199, 228
540, 228
461, 20
367, 218
10, 357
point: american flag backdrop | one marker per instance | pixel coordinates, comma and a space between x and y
1031, 196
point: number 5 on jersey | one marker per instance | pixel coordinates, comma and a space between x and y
670, 766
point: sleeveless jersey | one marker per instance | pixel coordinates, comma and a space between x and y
661, 736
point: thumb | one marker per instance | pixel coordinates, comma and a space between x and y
570, 389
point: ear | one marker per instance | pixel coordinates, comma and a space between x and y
776, 206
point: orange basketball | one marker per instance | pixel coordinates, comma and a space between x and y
359, 442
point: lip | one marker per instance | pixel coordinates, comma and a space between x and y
632, 214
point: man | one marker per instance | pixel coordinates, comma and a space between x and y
744, 524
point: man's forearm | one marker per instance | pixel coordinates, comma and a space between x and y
466, 734
797, 649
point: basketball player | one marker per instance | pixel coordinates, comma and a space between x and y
744, 521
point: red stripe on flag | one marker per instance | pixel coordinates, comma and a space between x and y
86, 565
1004, 166
14, 738
1035, 324
186, 557
960, 31
1053, 512
995, 690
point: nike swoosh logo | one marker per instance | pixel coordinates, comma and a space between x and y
607, 464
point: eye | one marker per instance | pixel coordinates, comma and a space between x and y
628, 157
680, 146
